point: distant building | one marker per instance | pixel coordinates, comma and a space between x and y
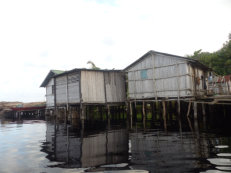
159, 75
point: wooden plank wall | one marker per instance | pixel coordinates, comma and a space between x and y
163, 76
67, 89
73, 88
92, 87
49, 95
61, 83
115, 87
196, 80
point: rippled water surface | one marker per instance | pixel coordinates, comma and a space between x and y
40, 146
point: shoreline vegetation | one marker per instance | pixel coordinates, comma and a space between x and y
219, 61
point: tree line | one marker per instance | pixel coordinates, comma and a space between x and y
219, 61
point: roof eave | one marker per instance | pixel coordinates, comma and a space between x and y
181, 57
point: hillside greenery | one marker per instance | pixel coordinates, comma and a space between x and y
219, 61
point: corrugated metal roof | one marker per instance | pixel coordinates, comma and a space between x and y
192, 61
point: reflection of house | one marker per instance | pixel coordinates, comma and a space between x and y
167, 153
161, 75
105, 148
92, 150
84, 86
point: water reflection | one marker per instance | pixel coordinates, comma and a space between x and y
78, 148
56, 147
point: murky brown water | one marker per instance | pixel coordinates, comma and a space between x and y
39, 146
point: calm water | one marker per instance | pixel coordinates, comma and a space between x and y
40, 146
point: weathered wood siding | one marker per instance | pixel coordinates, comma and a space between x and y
67, 89
115, 87
92, 87
196, 80
73, 88
161, 76
61, 93
49, 95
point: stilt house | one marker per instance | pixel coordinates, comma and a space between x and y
159, 75
48, 83
85, 86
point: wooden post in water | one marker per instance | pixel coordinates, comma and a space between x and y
178, 107
101, 112
108, 116
203, 114
164, 115
144, 115
170, 112
195, 119
82, 114
130, 105
195, 110
134, 112
189, 108
152, 110
179, 115
65, 116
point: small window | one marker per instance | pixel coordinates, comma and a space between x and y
143, 74
53, 89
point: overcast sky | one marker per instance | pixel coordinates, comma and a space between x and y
39, 35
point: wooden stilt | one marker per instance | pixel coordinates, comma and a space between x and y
164, 115
203, 109
134, 112
68, 144
189, 108
195, 110
130, 104
144, 114
65, 116
152, 110
108, 116
178, 107
179, 116
82, 112
172, 111
203, 114
195, 119
101, 112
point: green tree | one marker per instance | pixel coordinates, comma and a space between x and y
219, 61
